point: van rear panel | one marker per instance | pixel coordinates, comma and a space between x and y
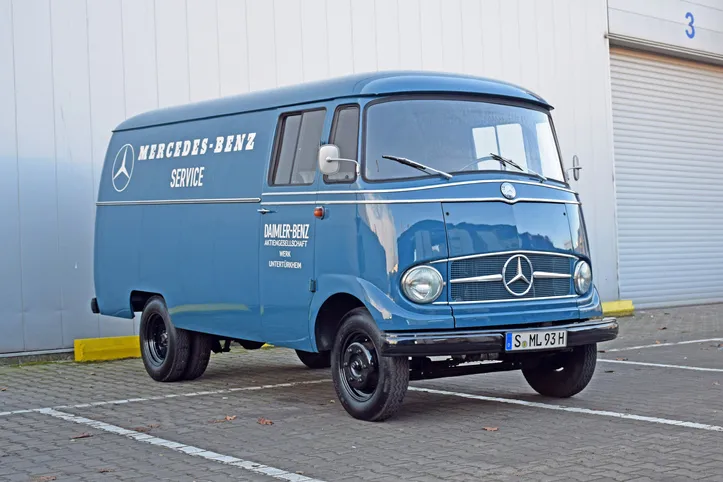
177, 215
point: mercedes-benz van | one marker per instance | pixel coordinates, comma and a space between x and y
391, 226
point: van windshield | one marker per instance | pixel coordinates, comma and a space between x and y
457, 136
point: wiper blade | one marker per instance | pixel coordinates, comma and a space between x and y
417, 165
504, 160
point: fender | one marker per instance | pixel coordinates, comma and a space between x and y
387, 314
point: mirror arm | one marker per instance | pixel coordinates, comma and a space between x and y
341, 159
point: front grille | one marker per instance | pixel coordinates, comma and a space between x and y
495, 290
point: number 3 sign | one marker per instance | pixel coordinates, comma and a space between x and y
690, 32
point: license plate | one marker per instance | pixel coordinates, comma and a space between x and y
535, 340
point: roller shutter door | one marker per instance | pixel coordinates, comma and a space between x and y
668, 134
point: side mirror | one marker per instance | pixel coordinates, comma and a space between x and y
576, 167
329, 159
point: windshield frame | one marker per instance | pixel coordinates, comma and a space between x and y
489, 99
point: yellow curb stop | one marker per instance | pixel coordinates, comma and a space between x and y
110, 348
618, 308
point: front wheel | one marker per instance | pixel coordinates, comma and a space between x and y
370, 387
564, 374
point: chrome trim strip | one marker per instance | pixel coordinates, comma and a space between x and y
498, 277
545, 274
420, 201
179, 201
503, 301
479, 279
484, 255
418, 188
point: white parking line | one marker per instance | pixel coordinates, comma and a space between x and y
664, 344
586, 411
662, 365
170, 395
179, 447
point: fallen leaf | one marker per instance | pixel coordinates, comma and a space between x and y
230, 417
609, 371
44, 478
105, 471
264, 421
621, 359
663, 328
490, 429
142, 429
332, 401
154, 425
657, 342
82, 435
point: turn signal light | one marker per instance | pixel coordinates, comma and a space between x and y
319, 212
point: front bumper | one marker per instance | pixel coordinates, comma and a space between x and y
468, 342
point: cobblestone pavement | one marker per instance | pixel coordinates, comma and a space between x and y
627, 425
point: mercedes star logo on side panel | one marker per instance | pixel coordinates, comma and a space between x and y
508, 190
123, 167
517, 275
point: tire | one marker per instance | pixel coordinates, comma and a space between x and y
378, 392
315, 360
164, 348
199, 355
565, 374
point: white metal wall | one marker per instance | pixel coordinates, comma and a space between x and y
71, 70
668, 120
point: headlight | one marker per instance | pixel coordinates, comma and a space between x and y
422, 284
582, 277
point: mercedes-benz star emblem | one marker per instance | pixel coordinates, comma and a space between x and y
508, 190
517, 275
123, 166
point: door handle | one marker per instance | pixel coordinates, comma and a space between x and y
264, 211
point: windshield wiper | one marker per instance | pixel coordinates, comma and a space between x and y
503, 160
417, 165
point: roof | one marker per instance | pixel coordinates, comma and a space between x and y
356, 85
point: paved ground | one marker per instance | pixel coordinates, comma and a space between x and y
637, 420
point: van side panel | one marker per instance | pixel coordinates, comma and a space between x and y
181, 220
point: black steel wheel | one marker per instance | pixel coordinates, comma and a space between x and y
565, 374
164, 348
369, 387
155, 339
315, 360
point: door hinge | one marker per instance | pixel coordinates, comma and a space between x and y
312, 285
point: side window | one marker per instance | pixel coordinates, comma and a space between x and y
296, 154
345, 134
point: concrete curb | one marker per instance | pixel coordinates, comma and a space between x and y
618, 308
111, 348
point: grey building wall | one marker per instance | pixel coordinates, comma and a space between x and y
71, 70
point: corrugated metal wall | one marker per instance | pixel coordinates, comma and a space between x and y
668, 119
71, 70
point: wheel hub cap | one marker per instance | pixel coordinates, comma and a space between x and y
358, 366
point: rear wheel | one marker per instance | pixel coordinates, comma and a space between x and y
200, 354
565, 374
370, 387
164, 348
315, 360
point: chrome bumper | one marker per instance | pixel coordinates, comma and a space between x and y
467, 342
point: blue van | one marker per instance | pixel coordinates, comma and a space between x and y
393, 226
